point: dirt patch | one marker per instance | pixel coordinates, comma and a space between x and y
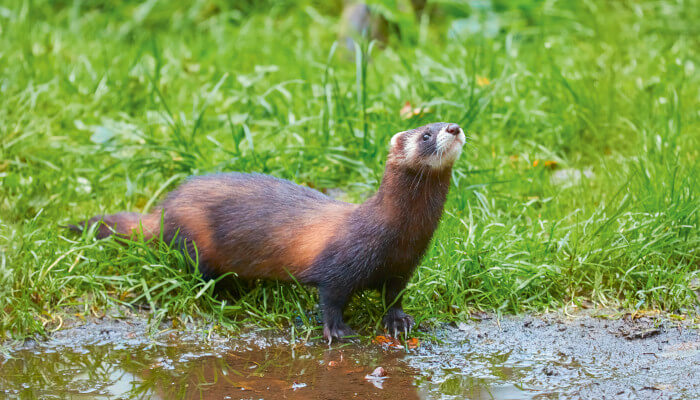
557, 356
549, 356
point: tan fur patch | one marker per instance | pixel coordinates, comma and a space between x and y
187, 209
150, 224
310, 238
132, 224
194, 221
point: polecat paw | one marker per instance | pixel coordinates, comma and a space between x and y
337, 331
397, 322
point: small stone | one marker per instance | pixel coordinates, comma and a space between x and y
378, 372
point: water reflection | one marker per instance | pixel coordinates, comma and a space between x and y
188, 371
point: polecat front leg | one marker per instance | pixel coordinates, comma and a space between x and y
396, 320
333, 301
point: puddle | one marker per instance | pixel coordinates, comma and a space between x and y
514, 358
178, 368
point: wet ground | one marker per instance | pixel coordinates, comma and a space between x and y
550, 356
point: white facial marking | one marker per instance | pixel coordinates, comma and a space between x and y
395, 138
410, 147
448, 146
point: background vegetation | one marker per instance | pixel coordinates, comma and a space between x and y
580, 185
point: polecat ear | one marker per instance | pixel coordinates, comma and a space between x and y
395, 139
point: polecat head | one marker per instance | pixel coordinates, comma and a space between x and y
436, 146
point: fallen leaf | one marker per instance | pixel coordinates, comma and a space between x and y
407, 111
550, 164
391, 342
383, 340
482, 81
413, 343
547, 163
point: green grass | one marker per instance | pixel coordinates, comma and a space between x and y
107, 107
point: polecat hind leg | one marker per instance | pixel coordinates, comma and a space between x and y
333, 301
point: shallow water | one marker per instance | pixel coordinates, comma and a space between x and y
516, 358
170, 370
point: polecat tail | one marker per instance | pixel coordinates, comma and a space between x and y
127, 224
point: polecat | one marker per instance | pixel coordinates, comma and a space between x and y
259, 226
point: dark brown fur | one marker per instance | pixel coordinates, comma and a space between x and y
264, 227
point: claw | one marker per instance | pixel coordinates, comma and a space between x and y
398, 321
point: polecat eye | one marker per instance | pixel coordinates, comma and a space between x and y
426, 137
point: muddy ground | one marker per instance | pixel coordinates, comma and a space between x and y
554, 355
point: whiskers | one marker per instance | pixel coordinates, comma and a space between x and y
468, 142
441, 152
418, 178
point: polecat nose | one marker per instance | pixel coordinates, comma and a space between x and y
453, 129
